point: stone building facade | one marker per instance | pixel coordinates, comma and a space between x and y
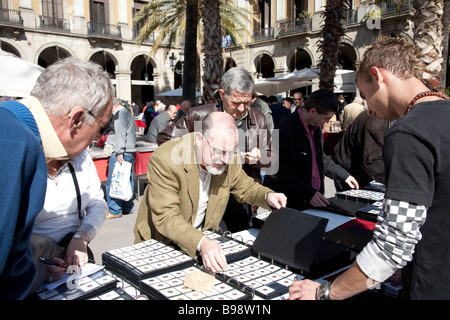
286, 38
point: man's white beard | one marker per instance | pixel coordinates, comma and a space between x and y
214, 170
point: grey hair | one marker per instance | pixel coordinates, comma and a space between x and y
237, 79
117, 101
73, 82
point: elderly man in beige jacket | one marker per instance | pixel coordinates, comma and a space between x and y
190, 181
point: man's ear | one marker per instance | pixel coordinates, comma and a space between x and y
377, 75
221, 93
76, 116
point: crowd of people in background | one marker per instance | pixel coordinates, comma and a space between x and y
275, 108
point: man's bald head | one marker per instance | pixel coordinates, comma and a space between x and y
172, 111
218, 121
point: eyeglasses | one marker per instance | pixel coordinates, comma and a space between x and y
221, 153
104, 128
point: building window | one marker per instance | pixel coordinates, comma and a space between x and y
98, 16
52, 13
300, 6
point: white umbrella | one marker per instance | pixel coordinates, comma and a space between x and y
344, 81
288, 81
175, 93
269, 88
17, 76
305, 74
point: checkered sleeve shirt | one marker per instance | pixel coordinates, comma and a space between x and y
395, 236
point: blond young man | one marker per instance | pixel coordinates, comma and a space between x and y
412, 233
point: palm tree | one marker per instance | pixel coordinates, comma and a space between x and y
331, 35
190, 51
428, 36
169, 17
221, 18
445, 50
212, 48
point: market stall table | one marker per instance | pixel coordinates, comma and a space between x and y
140, 267
144, 149
100, 162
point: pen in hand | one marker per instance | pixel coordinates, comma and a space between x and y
49, 262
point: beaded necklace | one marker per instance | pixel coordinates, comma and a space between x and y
420, 96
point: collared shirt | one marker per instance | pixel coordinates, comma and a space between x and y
59, 215
51, 144
240, 123
315, 175
204, 186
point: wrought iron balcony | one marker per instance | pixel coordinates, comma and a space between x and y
10, 17
263, 34
55, 24
150, 39
104, 30
389, 7
303, 25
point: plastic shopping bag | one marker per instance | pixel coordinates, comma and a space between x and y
120, 187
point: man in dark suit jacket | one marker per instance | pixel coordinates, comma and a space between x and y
302, 162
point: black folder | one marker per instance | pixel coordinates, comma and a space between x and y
295, 239
347, 207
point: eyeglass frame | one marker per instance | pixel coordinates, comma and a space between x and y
104, 128
223, 153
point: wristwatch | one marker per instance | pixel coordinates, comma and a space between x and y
80, 236
323, 291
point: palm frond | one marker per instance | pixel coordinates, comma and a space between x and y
167, 18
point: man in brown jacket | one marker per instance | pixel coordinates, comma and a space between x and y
236, 94
190, 181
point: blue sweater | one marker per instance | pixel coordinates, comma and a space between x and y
23, 176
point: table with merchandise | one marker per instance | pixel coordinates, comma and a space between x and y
317, 244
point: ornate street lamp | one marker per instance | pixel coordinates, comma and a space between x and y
173, 59
146, 73
260, 75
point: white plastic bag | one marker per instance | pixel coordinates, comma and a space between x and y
120, 187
